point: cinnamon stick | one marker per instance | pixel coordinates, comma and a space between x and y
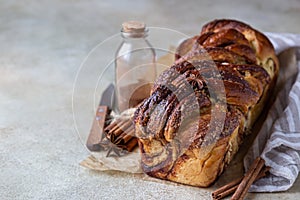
249, 178
225, 188
130, 133
126, 138
112, 125
131, 144
263, 173
121, 133
123, 127
113, 129
231, 187
226, 192
123, 139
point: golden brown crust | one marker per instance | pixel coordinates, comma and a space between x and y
264, 49
185, 47
181, 135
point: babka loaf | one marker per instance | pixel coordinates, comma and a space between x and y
199, 109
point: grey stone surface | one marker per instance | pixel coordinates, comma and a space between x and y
42, 45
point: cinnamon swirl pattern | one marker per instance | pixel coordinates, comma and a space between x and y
195, 120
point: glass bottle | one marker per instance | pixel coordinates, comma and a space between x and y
135, 69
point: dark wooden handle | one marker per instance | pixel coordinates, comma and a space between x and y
96, 133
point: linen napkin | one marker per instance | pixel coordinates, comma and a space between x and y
278, 141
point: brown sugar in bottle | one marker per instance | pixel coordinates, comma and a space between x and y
135, 69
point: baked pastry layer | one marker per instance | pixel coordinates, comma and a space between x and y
200, 108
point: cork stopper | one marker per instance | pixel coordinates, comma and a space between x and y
133, 27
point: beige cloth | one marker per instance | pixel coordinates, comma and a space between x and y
278, 141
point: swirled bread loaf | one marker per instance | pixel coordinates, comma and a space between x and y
193, 123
